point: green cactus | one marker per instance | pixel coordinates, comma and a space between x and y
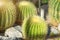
34, 28
25, 9
7, 14
54, 9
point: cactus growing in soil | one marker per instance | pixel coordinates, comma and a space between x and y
7, 14
34, 28
25, 9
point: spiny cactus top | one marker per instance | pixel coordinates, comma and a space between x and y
34, 27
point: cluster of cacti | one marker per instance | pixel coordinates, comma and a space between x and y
34, 28
7, 14
44, 1
25, 9
54, 10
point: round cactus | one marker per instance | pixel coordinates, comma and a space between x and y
34, 27
54, 9
25, 9
7, 14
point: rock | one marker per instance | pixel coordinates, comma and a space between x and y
9, 38
14, 32
58, 27
6, 38
54, 30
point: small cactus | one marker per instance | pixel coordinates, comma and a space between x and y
34, 28
25, 9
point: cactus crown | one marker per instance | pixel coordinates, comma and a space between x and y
35, 19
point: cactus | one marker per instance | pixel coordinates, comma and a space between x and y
25, 9
54, 10
34, 28
7, 14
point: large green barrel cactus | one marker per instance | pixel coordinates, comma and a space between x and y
34, 28
54, 9
7, 14
25, 9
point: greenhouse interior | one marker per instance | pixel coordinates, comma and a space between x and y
30, 20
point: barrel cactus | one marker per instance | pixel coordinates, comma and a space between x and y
7, 14
34, 28
25, 9
54, 9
